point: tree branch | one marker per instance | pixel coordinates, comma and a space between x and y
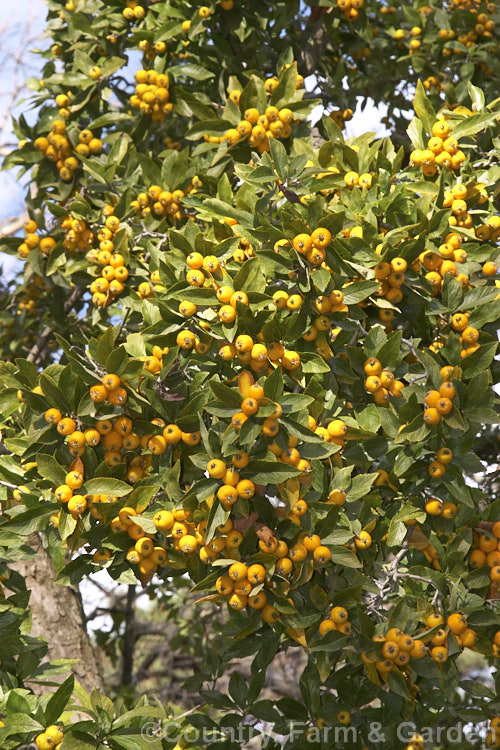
128, 639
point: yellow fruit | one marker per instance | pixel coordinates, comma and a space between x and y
270, 614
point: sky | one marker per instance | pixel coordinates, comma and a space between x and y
23, 20
12, 30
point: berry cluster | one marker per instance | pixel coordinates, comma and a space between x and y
57, 148
152, 96
260, 127
392, 277
32, 240
354, 179
444, 261
77, 234
51, 738
350, 8
443, 150
341, 116
162, 202
381, 383
111, 271
486, 551
133, 11
312, 246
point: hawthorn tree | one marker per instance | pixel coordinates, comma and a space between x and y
258, 357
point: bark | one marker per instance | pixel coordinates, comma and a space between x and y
57, 616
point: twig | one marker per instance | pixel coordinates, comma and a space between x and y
412, 349
124, 320
128, 639
8, 485
437, 596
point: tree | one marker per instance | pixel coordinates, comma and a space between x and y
259, 357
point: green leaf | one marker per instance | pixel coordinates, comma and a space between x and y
280, 158
54, 667
390, 353
95, 170
207, 127
112, 64
145, 523
220, 209
481, 415
375, 340
110, 118
229, 396
270, 472
250, 277
360, 486
49, 468
396, 681
218, 515
369, 418
431, 365
294, 402
345, 557
59, 700
67, 525
130, 742
18, 723
333, 641
273, 384
284, 92
359, 291
318, 450
105, 344
238, 689
197, 72
297, 429
169, 30
117, 360
124, 719
474, 124
424, 109
480, 360
478, 296
452, 293
107, 486
416, 133
342, 478
313, 363
53, 393
31, 520
476, 96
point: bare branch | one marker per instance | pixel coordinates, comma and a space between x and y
12, 225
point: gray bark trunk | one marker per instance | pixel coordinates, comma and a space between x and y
57, 616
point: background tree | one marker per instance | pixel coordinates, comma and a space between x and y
251, 368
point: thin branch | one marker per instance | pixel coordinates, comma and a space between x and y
128, 639
12, 225
8, 485
412, 349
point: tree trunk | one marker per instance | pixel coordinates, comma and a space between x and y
57, 616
